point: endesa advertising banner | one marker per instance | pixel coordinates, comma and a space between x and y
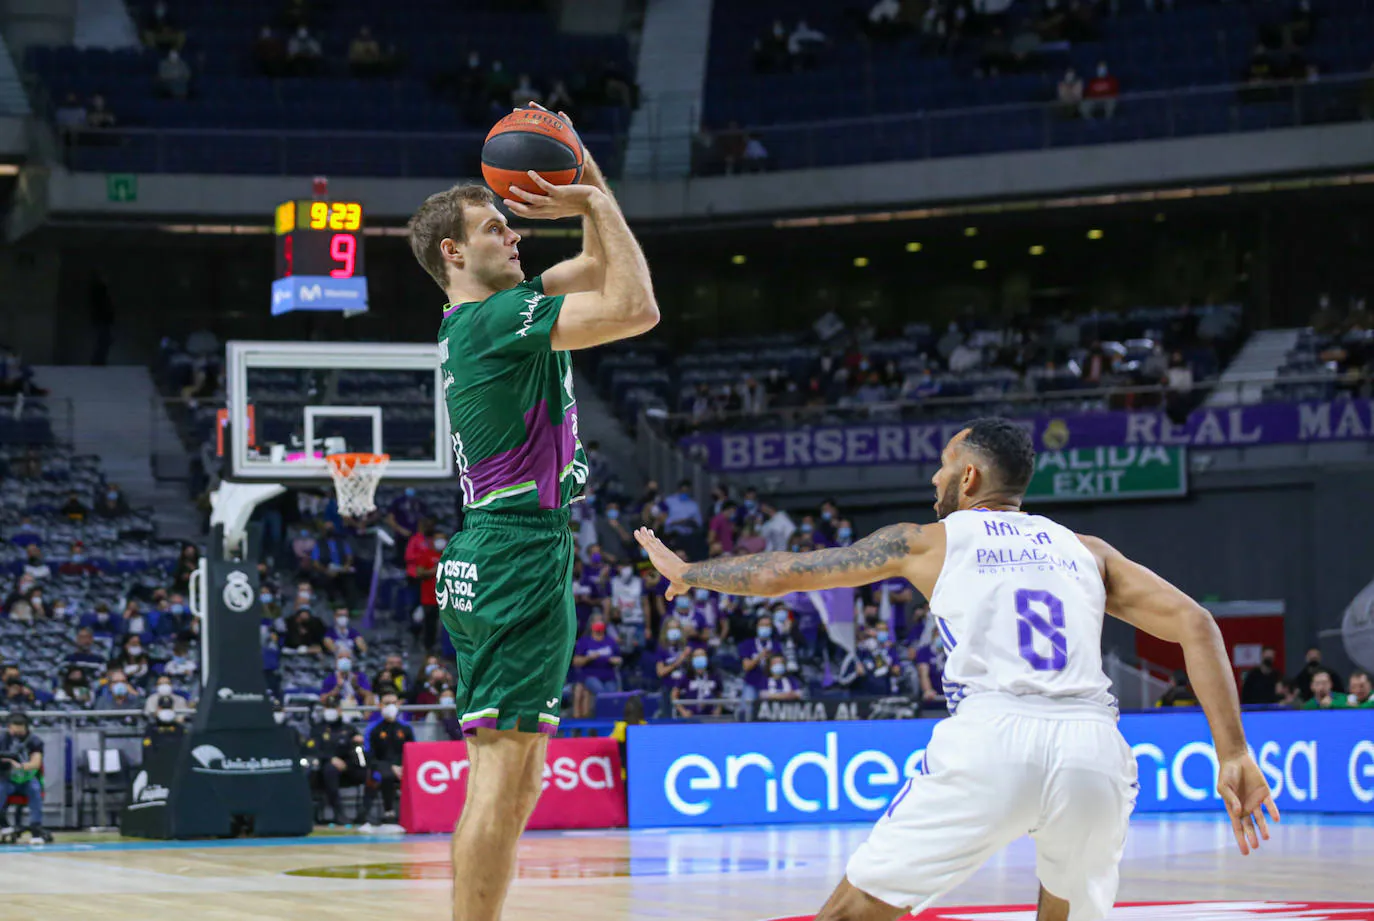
582, 786
748, 773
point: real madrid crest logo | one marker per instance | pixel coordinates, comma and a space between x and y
238, 592
1056, 435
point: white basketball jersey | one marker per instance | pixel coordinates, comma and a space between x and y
1019, 604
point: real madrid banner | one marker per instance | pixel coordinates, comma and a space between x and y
920, 443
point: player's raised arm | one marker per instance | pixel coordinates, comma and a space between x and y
1150, 603
625, 305
887, 552
587, 270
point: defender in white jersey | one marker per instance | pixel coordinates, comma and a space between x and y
1032, 748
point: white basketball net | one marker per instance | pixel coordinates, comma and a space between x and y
355, 481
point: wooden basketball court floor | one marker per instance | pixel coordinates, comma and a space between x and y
729, 873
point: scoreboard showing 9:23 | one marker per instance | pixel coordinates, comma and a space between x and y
319, 257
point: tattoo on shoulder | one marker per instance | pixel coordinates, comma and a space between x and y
767, 573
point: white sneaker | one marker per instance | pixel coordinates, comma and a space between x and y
366, 828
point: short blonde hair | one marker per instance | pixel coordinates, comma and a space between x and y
444, 215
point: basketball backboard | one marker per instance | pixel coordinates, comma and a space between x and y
292, 403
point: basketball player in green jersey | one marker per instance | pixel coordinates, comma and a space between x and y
504, 583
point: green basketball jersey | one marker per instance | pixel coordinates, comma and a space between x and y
511, 409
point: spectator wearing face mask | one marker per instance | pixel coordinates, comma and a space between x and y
616, 540
165, 724
85, 656
1261, 684
118, 693
406, 514
448, 717
597, 576
351, 688
21, 752
342, 637
596, 658
336, 758
828, 525
704, 620
434, 683
700, 684
101, 622
844, 533
112, 503
779, 684
1302, 681
672, 656
304, 633
423, 553
34, 567
754, 655
18, 695
183, 663
681, 513
385, 743
78, 562
163, 693
722, 528
629, 608
880, 667
133, 661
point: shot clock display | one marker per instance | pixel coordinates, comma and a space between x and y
319, 257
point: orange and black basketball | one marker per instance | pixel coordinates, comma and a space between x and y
530, 139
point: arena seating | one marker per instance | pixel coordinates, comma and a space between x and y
642, 377
933, 105
240, 122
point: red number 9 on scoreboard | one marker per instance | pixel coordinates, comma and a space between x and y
343, 247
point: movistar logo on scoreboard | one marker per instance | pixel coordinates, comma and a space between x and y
319, 292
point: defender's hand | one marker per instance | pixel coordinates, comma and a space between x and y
668, 564
557, 201
1242, 787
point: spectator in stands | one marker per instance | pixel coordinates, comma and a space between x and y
447, 717
133, 661
350, 688
98, 116
1070, 93
78, 563
596, 658
755, 159
118, 693
165, 696
269, 53
1099, 97
1324, 696
804, 45
1302, 681
616, 540
880, 667
432, 683
722, 529
1361, 690
25, 603
75, 688
161, 31
700, 684
34, 567
74, 508
777, 528
560, 100
335, 750
780, 685
70, 117
364, 54
187, 563
406, 513
385, 743
391, 676
21, 771
85, 655
498, 84
1261, 684
18, 693
770, 50
682, 514
629, 608
672, 655
332, 565
422, 556
754, 655
183, 663
102, 622
165, 726
174, 76
305, 633
343, 638
525, 92
304, 57
1179, 693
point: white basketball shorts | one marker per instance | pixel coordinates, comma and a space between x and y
1003, 767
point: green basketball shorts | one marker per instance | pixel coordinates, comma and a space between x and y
504, 588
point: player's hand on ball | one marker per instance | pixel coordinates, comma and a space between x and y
555, 202
668, 563
1242, 787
